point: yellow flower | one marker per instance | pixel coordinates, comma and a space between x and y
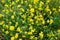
1, 15
16, 35
12, 38
32, 10
7, 32
19, 30
41, 3
12, 17
54, 9
20, 39
47, 8
2, 22
7, 11
29, 33
17, 1
50, 34
51, 21
41, 34
3, 1
47, 1
6, 26
58, 31
30, 5
2, 30
19, 6
47, 21
11, 27
31, 37
6, 5
32, 30
16, 24
43, 22
12, 3
35, 1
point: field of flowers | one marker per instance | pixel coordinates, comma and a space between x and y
29, 19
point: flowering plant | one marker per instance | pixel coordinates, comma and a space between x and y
30, 19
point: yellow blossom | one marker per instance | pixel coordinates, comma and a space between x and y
47, 21
19, 6
51, 21
11, 28
48, 1
12, 17
1, 15
16, 35
20, 39
32, 10
2, 22
29, 33
58, 31
41, 34
12, 3
12, 38
6, 5
17, 1
41, 3
35, 1
47, 8
7, 32
31, 37
19, 30
30, 5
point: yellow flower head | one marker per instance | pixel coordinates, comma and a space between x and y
51, 21
12, 17
1, 15
11, 28
58, 31
19, 30
7, 32
16, 35
12, 38
41, 34
32, 10
35, 1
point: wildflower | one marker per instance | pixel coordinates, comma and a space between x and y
1, 15
19, 30
29, 33
19, 6
12, 17
11, 28
7, 32
58, 31
20, 39
48, 1
47, 8
17, 1
51, 21
32, 10
41, 34
12, 3
47, 21
41, 3
12, 38
2, 22
16, 35
6, 5
30, 5
31, 37
35, 1
7, 11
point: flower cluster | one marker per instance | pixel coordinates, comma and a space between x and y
30, 19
